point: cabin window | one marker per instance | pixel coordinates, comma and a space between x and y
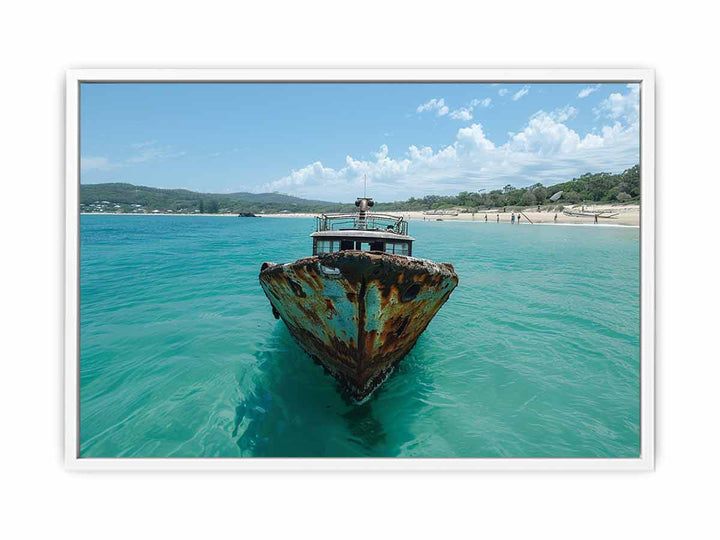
397, 248
327, 246
346, 244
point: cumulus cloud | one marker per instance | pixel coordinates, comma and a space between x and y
520, 93
481, 102
545, 134
544, 150
564, 113
462, 113
585, 92
625, 107
437, 105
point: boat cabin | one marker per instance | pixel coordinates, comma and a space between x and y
362, 231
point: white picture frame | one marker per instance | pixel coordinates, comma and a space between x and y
644, 77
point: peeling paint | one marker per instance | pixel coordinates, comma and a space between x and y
358, 313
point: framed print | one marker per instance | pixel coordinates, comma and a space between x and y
360, 269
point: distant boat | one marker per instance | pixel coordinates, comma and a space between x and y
359, 303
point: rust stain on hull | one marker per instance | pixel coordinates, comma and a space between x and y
357, 313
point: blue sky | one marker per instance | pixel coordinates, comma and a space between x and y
319, 140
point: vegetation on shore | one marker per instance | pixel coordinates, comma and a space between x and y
128, 198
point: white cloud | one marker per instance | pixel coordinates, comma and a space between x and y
480, 103
625, 107
564, 113
545, 134
464, 114
461, 114
520, 93
89, 163
143, 152
144, 144
544, 150
149, 151
502, 92
585, 92
437, 105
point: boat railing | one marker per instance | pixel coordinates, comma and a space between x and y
368, 221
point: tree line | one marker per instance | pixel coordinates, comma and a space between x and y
591, 187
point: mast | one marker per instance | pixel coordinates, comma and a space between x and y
363, 205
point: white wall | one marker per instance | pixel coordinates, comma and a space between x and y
38, 42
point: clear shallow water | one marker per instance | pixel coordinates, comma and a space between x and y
535, 354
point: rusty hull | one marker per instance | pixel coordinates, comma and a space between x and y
357, 313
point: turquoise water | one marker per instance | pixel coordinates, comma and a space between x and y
536, 354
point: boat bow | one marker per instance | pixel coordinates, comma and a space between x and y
358, 313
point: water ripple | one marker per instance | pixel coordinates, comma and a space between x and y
536, 354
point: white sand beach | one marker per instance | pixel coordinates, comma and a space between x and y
627, 215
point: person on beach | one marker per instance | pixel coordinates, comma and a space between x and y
595, 218
512, 219
555, 218
518, 218
498, 218
485, 218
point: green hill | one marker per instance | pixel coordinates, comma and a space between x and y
128, 197
590, 187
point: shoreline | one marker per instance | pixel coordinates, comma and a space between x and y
627, 216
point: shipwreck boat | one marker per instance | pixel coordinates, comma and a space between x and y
359, 303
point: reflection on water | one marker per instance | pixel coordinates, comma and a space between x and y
298, 410
365, 427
